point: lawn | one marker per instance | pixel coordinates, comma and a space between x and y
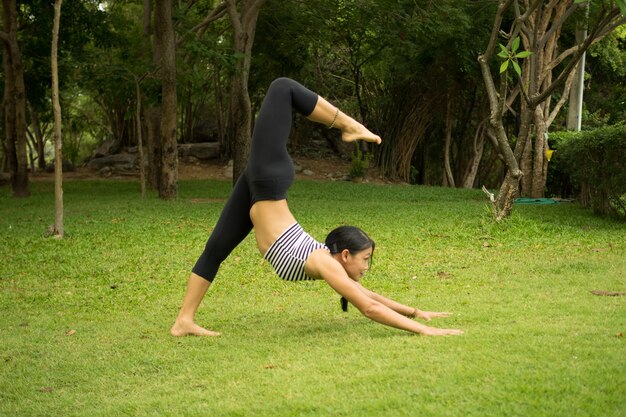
84, 321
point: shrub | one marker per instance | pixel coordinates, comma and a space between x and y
360, 163
594, 160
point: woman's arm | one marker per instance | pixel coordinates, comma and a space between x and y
394, 305
321, 265
401, 308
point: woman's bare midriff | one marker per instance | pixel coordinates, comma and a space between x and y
270, 219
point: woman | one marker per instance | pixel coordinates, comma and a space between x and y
259, 201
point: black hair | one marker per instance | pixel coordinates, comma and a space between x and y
351, 238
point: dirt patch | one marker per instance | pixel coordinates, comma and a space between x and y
331, 168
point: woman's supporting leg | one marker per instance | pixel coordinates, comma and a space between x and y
232, 227
184, 324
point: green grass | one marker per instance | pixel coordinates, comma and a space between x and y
537, 342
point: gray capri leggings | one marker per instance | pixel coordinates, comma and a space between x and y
267, 176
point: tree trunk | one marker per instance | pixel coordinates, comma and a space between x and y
524, 145
575, 108
219, 108
31, 143
244, 28
448, 178
508, 191
479, 145
15, 102
510, 187
153, 146
39, 139
56, 108
539, 157
166, 45
410, 120
142, 166
240, 124
151, 113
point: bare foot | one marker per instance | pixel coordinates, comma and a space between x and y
189, 328
356, 131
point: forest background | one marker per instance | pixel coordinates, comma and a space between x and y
406, 69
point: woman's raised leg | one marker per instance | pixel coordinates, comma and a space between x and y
351, 130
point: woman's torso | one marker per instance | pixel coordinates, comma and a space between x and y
270, 219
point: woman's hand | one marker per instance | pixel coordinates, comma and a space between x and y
432, 331
428, 315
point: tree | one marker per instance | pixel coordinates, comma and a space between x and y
539, 26
58, 154
14, 102
165, 48
244, 26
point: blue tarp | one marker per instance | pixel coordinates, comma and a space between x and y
527, 200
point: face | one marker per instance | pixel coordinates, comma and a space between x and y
355, 265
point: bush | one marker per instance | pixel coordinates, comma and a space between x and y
360, 163
594, 160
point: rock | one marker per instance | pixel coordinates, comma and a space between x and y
122, 161
308, 172
297, 168
205, 150
105, 172
205, 131
105, 149
228, 171
67, 166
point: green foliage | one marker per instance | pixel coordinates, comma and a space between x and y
359, 163
620, 3
595, 161
511, 56
82, 24
84, 320
606, 71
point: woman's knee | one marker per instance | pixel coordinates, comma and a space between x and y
281, 83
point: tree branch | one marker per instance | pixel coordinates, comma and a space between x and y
601, 35
252, 12
231, 6
566, 92
491, 46
215, 14
556, 25
580, 50
611, 28
521, 20
530, 10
